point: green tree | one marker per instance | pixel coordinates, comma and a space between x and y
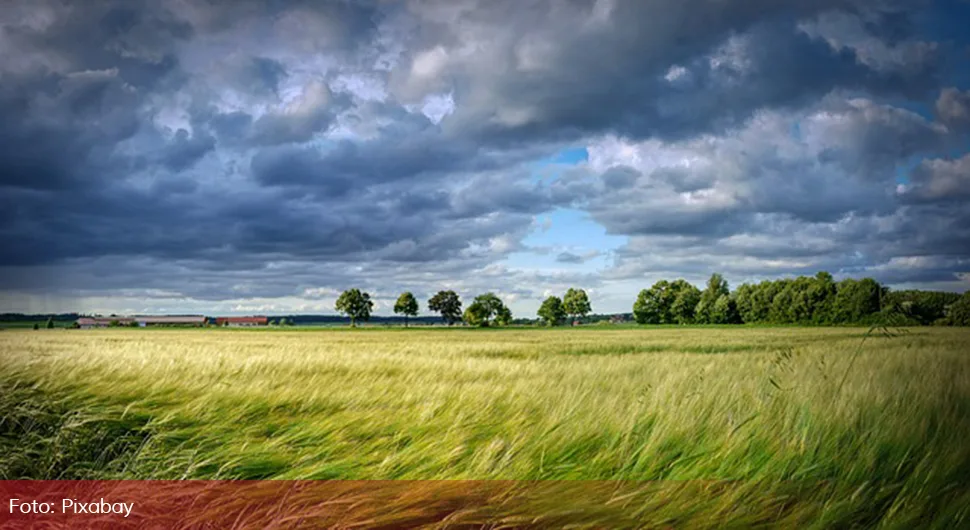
685, 301
821, 296
50, 323
551, 311
406, 305
486, 309
476, 315
576, 303
504, 316
355, 304
448, 304
958, 313
744, 300
716, 286
724, 311
856, 300
655, 305
36, 326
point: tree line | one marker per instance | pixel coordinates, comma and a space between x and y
816, 300
485, 310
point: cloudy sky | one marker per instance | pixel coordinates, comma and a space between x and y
259, 157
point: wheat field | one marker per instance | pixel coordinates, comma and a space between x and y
799, 426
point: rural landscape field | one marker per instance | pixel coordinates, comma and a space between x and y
821, 427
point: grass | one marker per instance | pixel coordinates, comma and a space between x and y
757, 411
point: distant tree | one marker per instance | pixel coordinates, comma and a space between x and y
716, 286
744, 301
486, 309
576, 303
355, 304
36, 325
685, 301
504, 316
958, 313
655, 305
476, 315
821, 296
855, 300
724, 311
448, 304
926, 307
551, 311
50, 322
406, 305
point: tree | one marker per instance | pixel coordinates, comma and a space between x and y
646, 309
476, 315
504, 316
448, 304
685, 301
355, 304
855, 300
716, 286
958, 313
576, 303
50, 323
551, 311
406, 305
654, 306
485, 309
724, 311
36, 326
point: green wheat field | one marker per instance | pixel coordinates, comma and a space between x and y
806, 427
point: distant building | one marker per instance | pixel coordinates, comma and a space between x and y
185, 320
241, 322
141, 321
103, 322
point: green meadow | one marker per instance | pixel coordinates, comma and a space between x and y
816, 427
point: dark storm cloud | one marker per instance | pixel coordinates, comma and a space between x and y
730, 59
953, 108
221, 150
184, 151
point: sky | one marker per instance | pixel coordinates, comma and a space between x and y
240, 157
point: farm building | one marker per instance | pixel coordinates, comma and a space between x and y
103, 322
141, 321
234, 322
184, 320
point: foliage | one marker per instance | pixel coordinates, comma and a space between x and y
448, 304
958, 313
576, 303
50, 323
487, 309
406, 305
355, 304
667, 303
811, 300
716, 287
551, 311
503, 317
